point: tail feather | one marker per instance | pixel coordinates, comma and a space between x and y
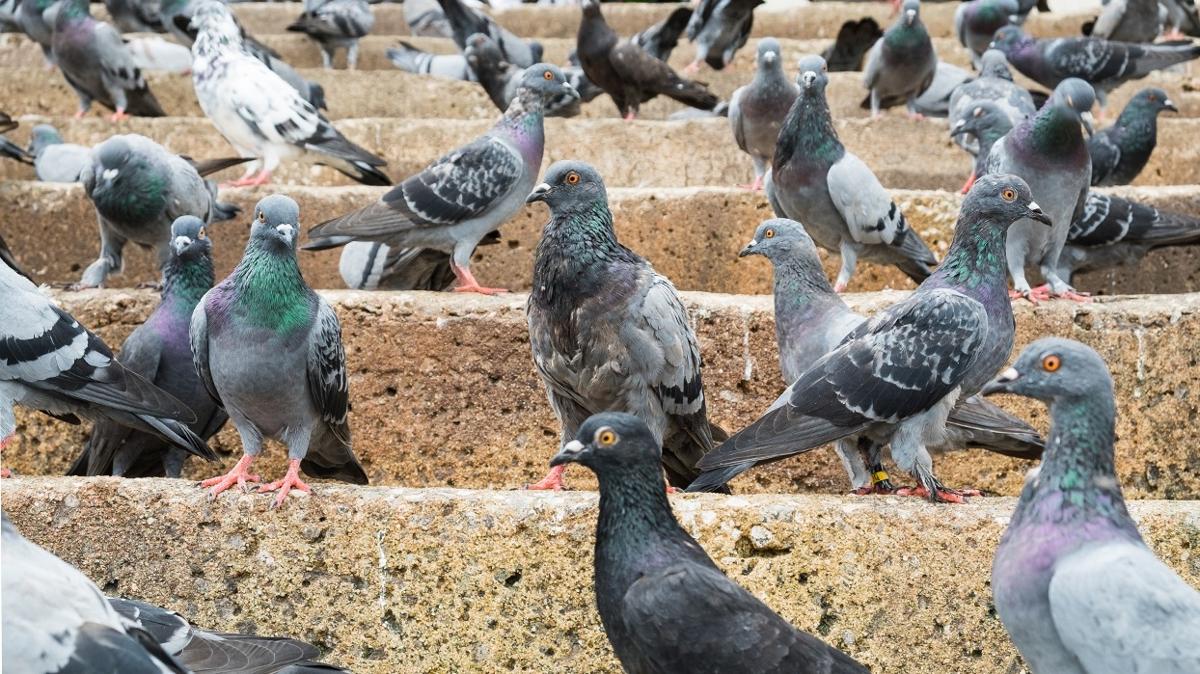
979, 423
917, 261
142, 103
224, 211
780, 433
316, 96
209, 166
690, 92
408, 58
181, 436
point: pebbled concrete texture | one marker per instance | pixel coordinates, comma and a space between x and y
444, 393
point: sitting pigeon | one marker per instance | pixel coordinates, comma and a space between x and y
935, 100
1130, 21
757, 110
419, 62
1073, 582
259, 113
55, 161
719, 28
664, 604
902, 63
501, 79
335, 24
977, 21
1120, 152
854, 40
465, 22
661, 39
1112, 231
609, 333
995, 84
457, 200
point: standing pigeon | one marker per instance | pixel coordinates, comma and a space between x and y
757, 110
98, 66
815, 180
1104, 64
661, 39
628, 74
420, 62
719, 28
269, 350
49, 362
1075, 585
1113, 231
259, 113
465, 22
458, 199
159, 351
664, 604
902, 63
609, 333
986, 123
1120, 152
1130, 21
501, 79
136, 16
896, 377
335, 24
1049, 152
995, 84
55, 161
139, 189
978, 20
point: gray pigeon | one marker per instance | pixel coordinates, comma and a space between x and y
665, 606
815, 180
259, 113
49, 362
897, 376
609, 333
1075, 585
935, 100
1049, 152
501, 79
977, 21
660, 39
719, 28
1102, 63
98, 66
269, 350
757, 110
1112, 231
995, 84
425, 18
336, 24
1130, 21
136, 16
55, 161
419, 62
1120, 152
986, 123
139, 189
159, 350
902, 63
35, 18
458, 199
465, 22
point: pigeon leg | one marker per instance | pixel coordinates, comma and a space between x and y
468, 284
874, 104
552, 482
352, 57
969, 184
849, 260
119, 115
326, 58
261, 178
692, 68
240, 475
291, 480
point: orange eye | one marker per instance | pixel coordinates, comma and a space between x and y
572, 178
202, 233
769, 234
548, 75
1009, 194
606, 437
1051, 363
1152, 98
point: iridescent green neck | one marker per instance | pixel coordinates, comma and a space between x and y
73, 9
186, 281
1056, 128
976, 257
269, 285
903, 37
808, 133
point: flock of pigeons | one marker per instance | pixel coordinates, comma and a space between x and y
1074, 584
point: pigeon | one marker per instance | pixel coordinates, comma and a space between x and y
55, 161
159, 350
259, 114
661, 39
897, 376
501, 79
757, 110
425, 18
1074, 583
609, 333
1112, 231
995, 84
335, 24
664, 604
419, 62
98, 66
815, 180
986, 123
1120, 152
372, 265
136, 16
935, 100
1049, 152
269, 350
626, 72
1102, 63
902, 63
462, 196
853, 41
719, 28
811, 320
1130, 21
49, 362
978, 20
465, 22
156, 54
32, 16
139, 189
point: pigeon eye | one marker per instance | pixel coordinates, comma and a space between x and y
262, 217
201, 234
572, 178
769, 234
1009, 194
548, 75
979, 112
606, 437
1051, 363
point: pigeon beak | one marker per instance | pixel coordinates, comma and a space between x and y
570, 90
807, 78
959, 128
538, 194
1169, 105
749, 249
1002, 383
109, 174
570, 453
909, 16
1014, 19
1036, 213
1086, 120
770, 57
180, 244
287, 232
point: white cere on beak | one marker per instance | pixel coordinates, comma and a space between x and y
753, 242
109, 174
1033, 206
770, 57
286, 230
180, 242
1008, 375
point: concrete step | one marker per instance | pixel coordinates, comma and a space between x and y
406, 580
691, 234
444, 392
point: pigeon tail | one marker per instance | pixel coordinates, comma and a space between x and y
223, 211
180, 435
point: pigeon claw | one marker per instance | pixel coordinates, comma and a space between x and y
1075, 296
940, 494
468, 284
552, 482
5, 473
239, 476
119, 115
692, 68
291, 480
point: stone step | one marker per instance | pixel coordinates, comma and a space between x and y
664, 224
407, 580
444, 392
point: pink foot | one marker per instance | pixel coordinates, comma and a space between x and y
969, 184
755, 186
692, 68
240, 475
839, 287
291, 480
1035, 295
79, 114
119, 115
5, 473
552, 482
630, 116
943, 495
1075, 296
260, 178
916, 117
468, 284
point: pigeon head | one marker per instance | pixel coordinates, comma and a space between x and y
548, 80
910, 11
994, 63
1010, 38
1003, 199
591, 8
985, 120
189, 237
481, 50
769, 53
814, 73
1053, 369
42, 137
612, 440
568, 183
1152, 99
276, 222
1078, 97
213, 18
780, 239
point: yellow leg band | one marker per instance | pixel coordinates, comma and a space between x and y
876, 478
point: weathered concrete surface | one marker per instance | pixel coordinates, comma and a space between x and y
444, 392
710, 224
402, 580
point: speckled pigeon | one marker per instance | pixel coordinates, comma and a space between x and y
815, 180
159, 350
501, 79
1102, 63
55, 161
139, 189
995, 84
1050, 153
902, 63
664, 604
98, 66
897, 376
336, 24
660, 39
1074, 583
49, 362
977, 21
259, 113
1120, 152
1130, 21
410, 59
465, 22
609, 333
1112, 231
719, 28
458, 199
757, 110
269, 350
